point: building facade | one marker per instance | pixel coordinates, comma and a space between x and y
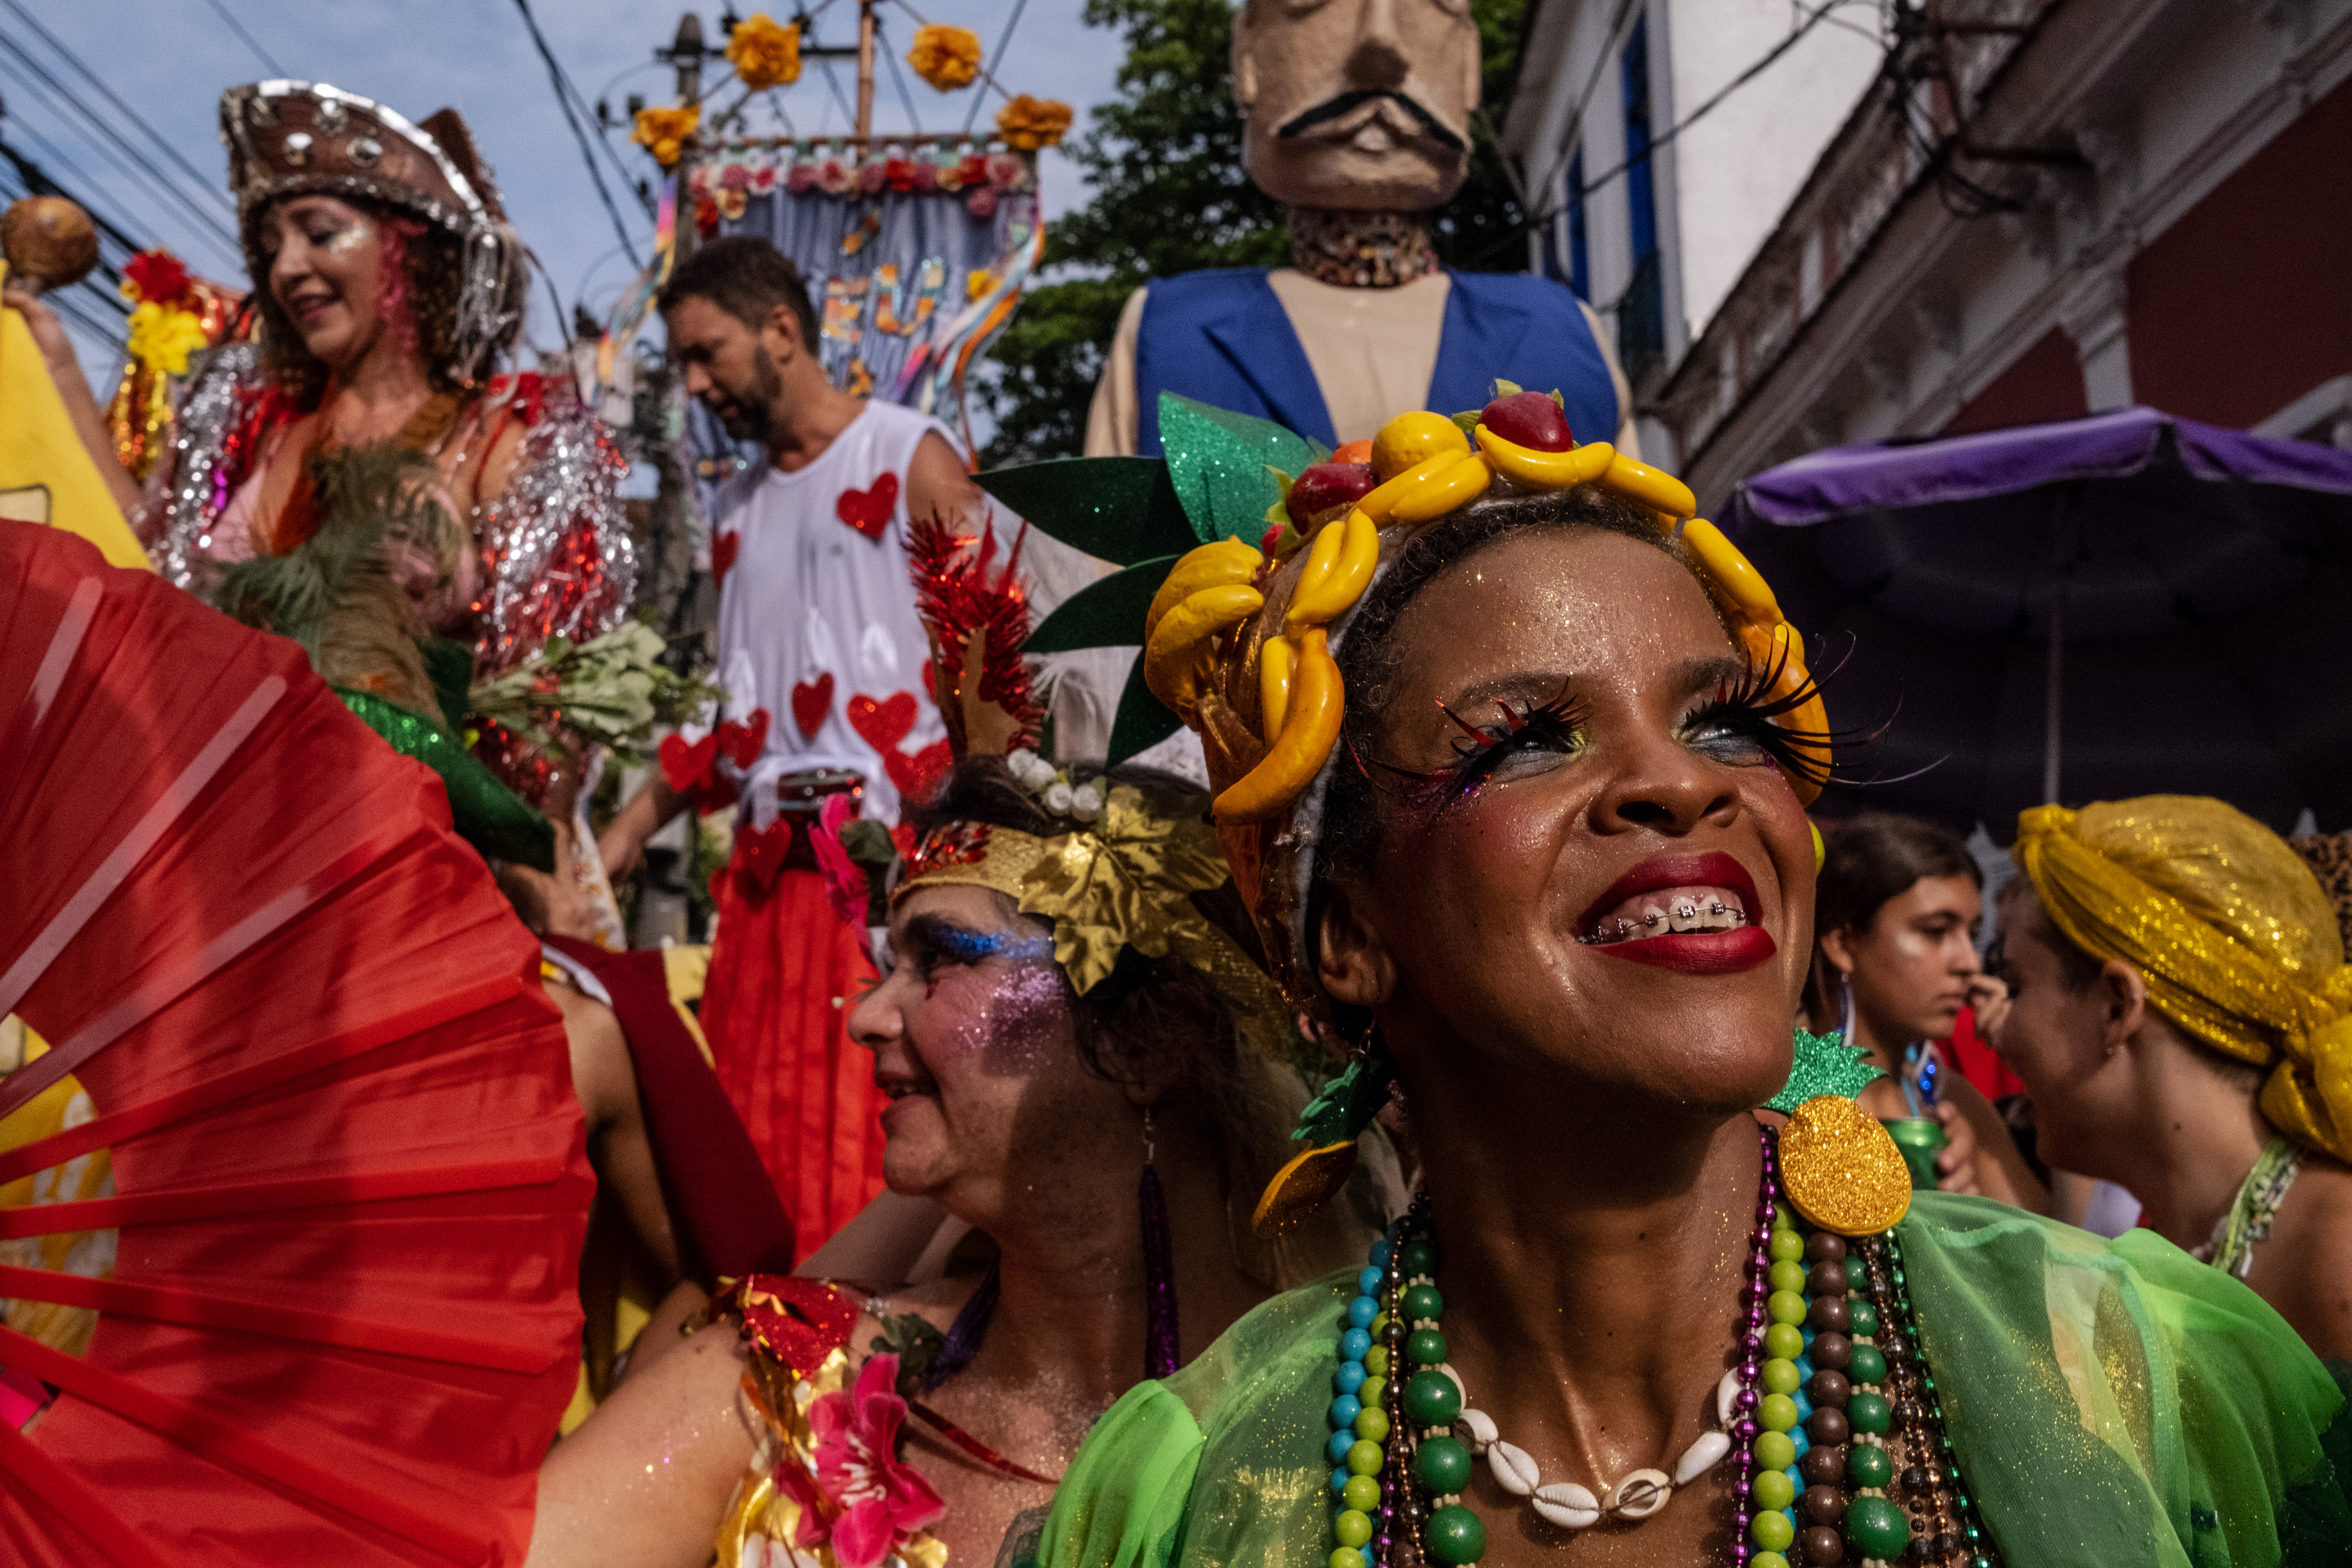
1986, 213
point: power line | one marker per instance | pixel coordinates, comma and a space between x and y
202, 181
562, 101
252, 43
41, 182
207, 225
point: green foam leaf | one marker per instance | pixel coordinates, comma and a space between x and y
1219, 463
1123, 510
1143, 720
1825, 1064
1108, 613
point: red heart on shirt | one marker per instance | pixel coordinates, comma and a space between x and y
743, 742
812, 700
917, 775
684, 765
885, 723
869, 511
759, 854
723, 547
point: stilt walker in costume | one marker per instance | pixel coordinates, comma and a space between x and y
1085, 1065
361, 477
1357, 118
1512, 753
822, 657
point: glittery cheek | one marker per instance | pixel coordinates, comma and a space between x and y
350, 238
1030, 1019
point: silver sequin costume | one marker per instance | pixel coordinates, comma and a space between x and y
556, 558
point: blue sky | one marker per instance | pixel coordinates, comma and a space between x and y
169, 60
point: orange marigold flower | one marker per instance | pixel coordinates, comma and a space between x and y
948, 58
1030, 123
664, 131
764, 52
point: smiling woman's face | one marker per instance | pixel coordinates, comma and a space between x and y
975, 1044
325, 261
1608, 886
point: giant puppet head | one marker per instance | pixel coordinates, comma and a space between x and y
1361, 104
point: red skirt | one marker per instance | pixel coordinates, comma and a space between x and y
784, 972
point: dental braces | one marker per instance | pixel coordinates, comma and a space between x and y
1648, 924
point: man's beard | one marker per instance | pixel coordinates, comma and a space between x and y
750, 416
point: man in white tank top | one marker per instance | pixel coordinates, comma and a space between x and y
822, 657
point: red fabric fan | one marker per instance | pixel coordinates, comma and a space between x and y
350, 1183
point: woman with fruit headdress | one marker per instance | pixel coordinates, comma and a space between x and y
1511, 752
1087, 1069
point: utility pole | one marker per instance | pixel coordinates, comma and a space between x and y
865, 73
686, 53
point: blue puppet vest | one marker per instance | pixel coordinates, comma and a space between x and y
1222, 337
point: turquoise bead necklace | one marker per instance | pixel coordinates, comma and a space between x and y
1833, 1416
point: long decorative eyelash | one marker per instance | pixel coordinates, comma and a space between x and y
1745, 702
1483, 746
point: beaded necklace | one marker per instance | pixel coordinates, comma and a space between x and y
1832, 1414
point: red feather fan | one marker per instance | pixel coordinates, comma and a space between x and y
349, 1190
978, 617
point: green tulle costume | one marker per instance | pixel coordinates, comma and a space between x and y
2110, 1402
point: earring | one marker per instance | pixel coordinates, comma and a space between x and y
1329, 1126
1160, 1339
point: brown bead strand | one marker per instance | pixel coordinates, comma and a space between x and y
1821, 1506
1946, 1529
1405, 1492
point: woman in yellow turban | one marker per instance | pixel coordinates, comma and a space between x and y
2183, 1018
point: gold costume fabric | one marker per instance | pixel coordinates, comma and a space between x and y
2233, 934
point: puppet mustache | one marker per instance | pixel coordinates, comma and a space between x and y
1332, 109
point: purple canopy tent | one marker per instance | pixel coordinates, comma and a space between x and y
2123, 605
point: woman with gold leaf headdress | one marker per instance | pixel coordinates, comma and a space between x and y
1512, 753
2183, 1020
1087, 1069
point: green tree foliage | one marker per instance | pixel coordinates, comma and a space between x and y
1163, 161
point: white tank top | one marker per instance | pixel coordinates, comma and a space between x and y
817, 628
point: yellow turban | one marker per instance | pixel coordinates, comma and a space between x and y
2232, 933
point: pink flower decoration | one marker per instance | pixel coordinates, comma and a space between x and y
1005, 171
980, 203
835, 178
871, 175
863, 1500
763, 179
735, 177
926, 176
800, 179
844, 880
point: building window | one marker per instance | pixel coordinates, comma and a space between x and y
1640, 314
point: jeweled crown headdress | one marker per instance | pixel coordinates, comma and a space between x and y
290, 138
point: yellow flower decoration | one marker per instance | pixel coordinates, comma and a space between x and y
948, 58
764, 52
1121, 882
163, 337
1030, 123
665, 130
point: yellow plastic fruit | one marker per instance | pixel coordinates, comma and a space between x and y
1336, 590
1276, 662
1410, 439
1735, 580
1309, 730
1377, 502
1653, 487
1228, 562
1456, 485
1171, 657
1545, 470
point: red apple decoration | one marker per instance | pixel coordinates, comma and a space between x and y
1326, 486
1529, 419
